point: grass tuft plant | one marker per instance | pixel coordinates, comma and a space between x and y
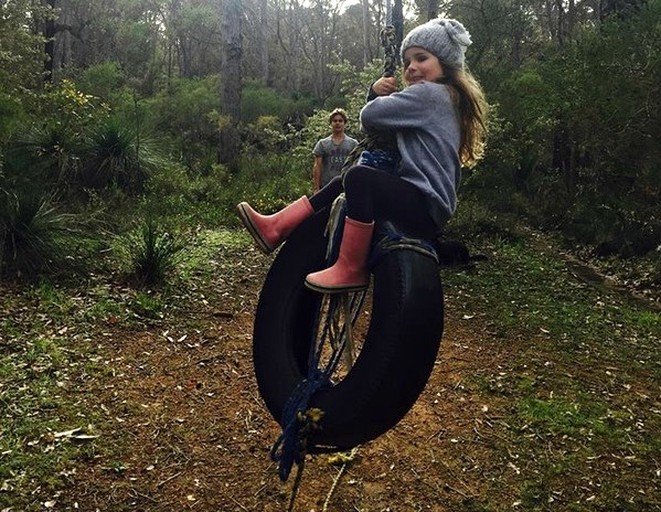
35, 236
151, 254
116, 154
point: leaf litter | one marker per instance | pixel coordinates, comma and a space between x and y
175, 419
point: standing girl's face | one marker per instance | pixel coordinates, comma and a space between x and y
421, 65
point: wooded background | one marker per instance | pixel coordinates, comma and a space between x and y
573, 87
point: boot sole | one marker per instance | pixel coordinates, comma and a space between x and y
336, 290
252, 229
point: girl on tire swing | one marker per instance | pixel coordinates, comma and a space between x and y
439, 125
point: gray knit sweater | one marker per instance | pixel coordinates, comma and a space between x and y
426, 125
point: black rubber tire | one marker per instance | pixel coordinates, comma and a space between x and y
397, 355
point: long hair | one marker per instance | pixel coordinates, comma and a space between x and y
472, 107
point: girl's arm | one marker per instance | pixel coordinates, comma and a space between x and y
408, 108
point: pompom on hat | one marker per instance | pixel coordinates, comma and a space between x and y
447, 39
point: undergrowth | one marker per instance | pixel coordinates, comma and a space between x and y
582, 425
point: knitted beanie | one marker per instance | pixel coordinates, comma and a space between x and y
445, 38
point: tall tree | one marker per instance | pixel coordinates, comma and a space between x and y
321, 42
230, 78
289, 34
21, 62
264, 40
193, 25
366, 31
624, 8
48, 31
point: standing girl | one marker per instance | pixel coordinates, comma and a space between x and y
439, 125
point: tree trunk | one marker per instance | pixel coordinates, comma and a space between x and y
184, 59
230, 77
49, 45
432, 9
366, 31
398, 23
289, 36
622, 7
561, 30
264, 40
570, 22
174, 39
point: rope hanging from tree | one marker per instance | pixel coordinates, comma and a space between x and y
391, 40
298, 420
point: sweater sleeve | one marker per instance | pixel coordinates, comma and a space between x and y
408, 108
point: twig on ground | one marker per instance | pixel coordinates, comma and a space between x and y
238, 504
161, 484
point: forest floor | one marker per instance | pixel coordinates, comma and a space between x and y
154, 407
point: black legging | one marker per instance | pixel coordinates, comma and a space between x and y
377, 195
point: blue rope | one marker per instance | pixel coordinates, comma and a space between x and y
291, 447
298, 420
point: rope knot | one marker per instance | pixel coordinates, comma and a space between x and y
311, 418
298, 422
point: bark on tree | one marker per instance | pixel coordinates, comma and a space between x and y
230, 77
366, 31
610, 7
48, 31
289, 32
264, 40
561, 21
432, 9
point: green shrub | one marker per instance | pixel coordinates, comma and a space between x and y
102, 80
65, 106
270, 182
48, 154
616, 228
185, 197
12, 115
475, 220
268, 135
49, 149
259, 100
183, 111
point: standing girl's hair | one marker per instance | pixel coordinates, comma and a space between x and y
448, 39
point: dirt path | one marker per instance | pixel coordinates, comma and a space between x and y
184, 405
183, 427
202, 436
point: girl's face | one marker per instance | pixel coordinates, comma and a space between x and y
421, 65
